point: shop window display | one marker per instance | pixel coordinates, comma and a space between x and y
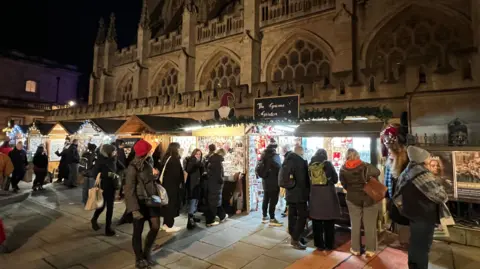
187, 145
234, 146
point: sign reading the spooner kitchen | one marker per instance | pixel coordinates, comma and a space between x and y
277, 108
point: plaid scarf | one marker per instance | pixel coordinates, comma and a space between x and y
426, 183
389, 180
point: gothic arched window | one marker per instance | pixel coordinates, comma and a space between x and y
168, 82
127, 90
302, 60
225, 73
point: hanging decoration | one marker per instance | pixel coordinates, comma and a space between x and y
339, 114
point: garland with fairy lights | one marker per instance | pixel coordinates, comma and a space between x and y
339, 114
89, 123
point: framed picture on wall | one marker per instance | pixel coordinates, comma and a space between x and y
441, 165
467, 174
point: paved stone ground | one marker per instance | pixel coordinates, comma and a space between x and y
50, 230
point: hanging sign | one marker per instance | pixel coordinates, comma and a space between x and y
277, 108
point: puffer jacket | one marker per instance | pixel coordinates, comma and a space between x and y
301, 192
353, 178
139, 183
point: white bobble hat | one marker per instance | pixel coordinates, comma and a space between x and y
418, 155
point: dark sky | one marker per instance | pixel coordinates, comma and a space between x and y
65, 30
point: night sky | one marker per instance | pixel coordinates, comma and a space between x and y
65, 30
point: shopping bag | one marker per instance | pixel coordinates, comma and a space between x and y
95, 197
3, 235
441, 230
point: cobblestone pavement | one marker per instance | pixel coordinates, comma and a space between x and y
50, 230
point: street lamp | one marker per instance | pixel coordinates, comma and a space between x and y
71, 103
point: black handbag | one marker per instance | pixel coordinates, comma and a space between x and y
395, 214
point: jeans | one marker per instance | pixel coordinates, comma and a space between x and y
214, 211
421, 238
138, 224
88, 183
39, 179
324, 233
297, 219
109, 199
270, 200
192, 206
369, 216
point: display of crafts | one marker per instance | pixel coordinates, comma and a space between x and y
234, 147
187, 145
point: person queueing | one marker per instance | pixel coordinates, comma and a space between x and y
215, 174
362, 208
6, 168
324, 204
73, 161
268, 169
194, 168
173, 181
105, 171
63, 169
121, 165
140, 181
297, 197
40, 168
127, 217
88, 160
19, 159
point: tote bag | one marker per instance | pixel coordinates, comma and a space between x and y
95, 196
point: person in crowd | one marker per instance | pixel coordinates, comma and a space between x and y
297, 197
5, 148
73, 160
88, 163
140, 182
6, 168
157, 156
127, 217
363, 209
238, 193
420, 198
268, 169
324, 204
19, 159
63, 168
40, 168
121, 165
194, 168
215, 174
105, 171
174, 183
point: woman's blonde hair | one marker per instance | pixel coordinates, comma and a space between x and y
221, 152
352, 154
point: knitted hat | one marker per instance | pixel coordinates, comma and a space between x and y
416, 154
142, 148
91, 147
107, 150
273, 144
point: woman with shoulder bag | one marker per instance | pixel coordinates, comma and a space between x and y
194, 168
140, 186
106, 177
354, 175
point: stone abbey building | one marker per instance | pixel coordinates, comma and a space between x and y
419, 56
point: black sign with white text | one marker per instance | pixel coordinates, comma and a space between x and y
277, 108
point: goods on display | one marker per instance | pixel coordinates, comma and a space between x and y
467, 174
187, 145
55, 145
441, 165
33, 143
234, 146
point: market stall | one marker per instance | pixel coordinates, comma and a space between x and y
56, 142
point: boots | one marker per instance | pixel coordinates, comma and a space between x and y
191, 222
298, 245
95, 225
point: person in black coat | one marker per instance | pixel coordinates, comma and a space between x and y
121, 164
215, 175
88, 163
105, 171
194, 168
19, 159
63, 169
72, 159
298, 196
174, 183
271, 164
157, 156
40, 168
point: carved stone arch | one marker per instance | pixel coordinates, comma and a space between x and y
165, 79
222, 70
315, 58
125, 88
414, 36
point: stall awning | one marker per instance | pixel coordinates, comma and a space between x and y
108, 126
44, 128
154, 124
335, 129
71, 126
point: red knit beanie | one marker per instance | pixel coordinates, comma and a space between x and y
142, 148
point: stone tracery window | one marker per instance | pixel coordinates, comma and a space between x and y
126, 91
225, 73
303, 60
168, 82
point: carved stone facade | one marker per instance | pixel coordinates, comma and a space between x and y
406, 59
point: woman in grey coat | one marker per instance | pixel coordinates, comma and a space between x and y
324, 205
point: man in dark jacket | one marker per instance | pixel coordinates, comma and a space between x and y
63, 170
19, 159
268, 169
121, 164
72, 159
297, 197
88, 162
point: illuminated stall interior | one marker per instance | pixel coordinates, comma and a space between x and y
56, 142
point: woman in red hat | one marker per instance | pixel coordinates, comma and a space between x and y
140, 185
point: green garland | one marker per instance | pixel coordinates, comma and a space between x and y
339, 114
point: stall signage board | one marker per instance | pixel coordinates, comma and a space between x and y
129, 142
277, 108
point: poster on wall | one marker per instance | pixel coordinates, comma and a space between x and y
441, 165
55, 144
277, 108
467, 174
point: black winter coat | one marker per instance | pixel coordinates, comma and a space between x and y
19, 159
104, 166
272, 164
139, 183
301, 192
40, 162
195, 170
174, 184
324, 204
215, 176
71, 154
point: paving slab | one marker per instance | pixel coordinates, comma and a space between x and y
236, 256
201, 250
188, 262
265, 262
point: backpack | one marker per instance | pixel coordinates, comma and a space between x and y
286, 178
317, 173
261, 169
